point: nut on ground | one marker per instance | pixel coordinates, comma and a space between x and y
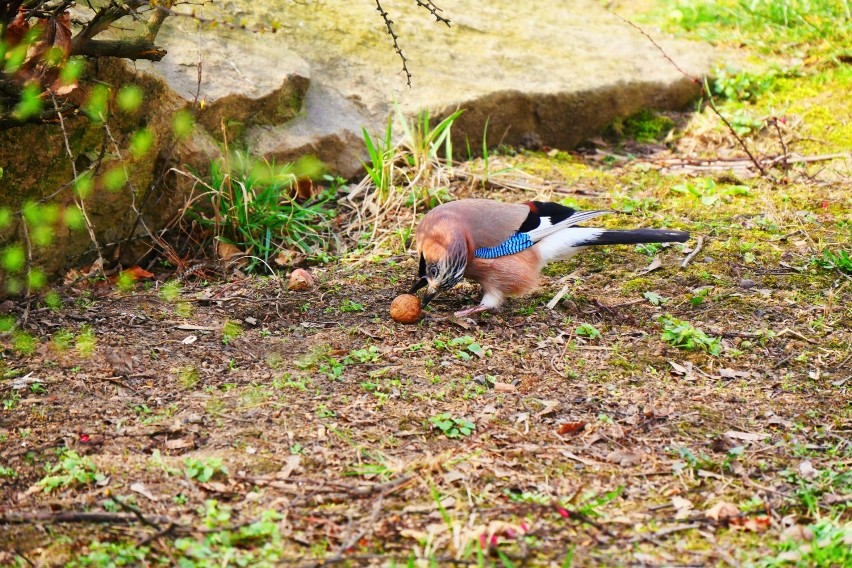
300, 279
405, 308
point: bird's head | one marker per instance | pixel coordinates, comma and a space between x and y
442, 266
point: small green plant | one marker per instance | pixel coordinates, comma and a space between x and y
707, 191
452, 427
71, 469
655, 298
231, 331
587, 330
8, 472
203, 470
831, 260
462, 347
631, 204
644, 126
256, 206
829, 546
86, 342
109, 554
368, 355
188, 377
350, 306
684, 335
649, 249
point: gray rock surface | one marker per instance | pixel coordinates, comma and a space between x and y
541, 72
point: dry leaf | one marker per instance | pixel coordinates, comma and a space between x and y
504, 387
624, 457
753, 524
227, 251
798, 532
140, 488
746, 436
722, 511
570, 427
137, 273
549, 406
655, 264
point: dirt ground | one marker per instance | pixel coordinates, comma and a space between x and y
194, 411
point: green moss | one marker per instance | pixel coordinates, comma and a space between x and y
644, 126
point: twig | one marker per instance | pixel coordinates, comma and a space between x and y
389, 26
774, 122
24, 518
433, 9
706, 89
698, 245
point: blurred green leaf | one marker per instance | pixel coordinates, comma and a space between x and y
5, 217
14, 258
182, 124
73, 217
129, 98
141, 142
36, 279
98, 104
30, 103
114, 178
71, 70
84, 185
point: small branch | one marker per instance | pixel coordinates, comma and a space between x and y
433, 9
14, 518
389, 26
784, 153
695, 251
705, 87
137, 48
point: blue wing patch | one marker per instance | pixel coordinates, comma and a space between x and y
514, 244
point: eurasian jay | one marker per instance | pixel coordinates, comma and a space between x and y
504, 246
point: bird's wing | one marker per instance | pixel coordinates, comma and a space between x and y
543, 219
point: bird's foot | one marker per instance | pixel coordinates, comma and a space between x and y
471, 311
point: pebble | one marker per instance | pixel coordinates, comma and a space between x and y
747, 284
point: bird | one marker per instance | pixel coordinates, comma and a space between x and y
504, 246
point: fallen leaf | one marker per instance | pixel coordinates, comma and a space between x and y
227, 251
137, 273
746, 436
807, 470
570, 427
179, 444
189, 339
655, 264
504, 387
549, 406
753, 524
624, 457
722, 511
290, 466
140, 488
798, 532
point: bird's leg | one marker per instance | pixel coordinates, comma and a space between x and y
471, 311
490, 301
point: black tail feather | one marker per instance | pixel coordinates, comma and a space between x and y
637, 236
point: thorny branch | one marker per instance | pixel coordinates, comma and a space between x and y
430, 7
706, 89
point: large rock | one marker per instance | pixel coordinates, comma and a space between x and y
540, 72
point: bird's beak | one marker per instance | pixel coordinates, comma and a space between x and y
427, 297
420, 283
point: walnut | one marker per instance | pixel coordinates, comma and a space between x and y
405, 308
300, 279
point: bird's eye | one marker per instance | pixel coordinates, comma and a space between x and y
433, 271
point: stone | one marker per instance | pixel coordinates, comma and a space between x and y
245, 80
537, 73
